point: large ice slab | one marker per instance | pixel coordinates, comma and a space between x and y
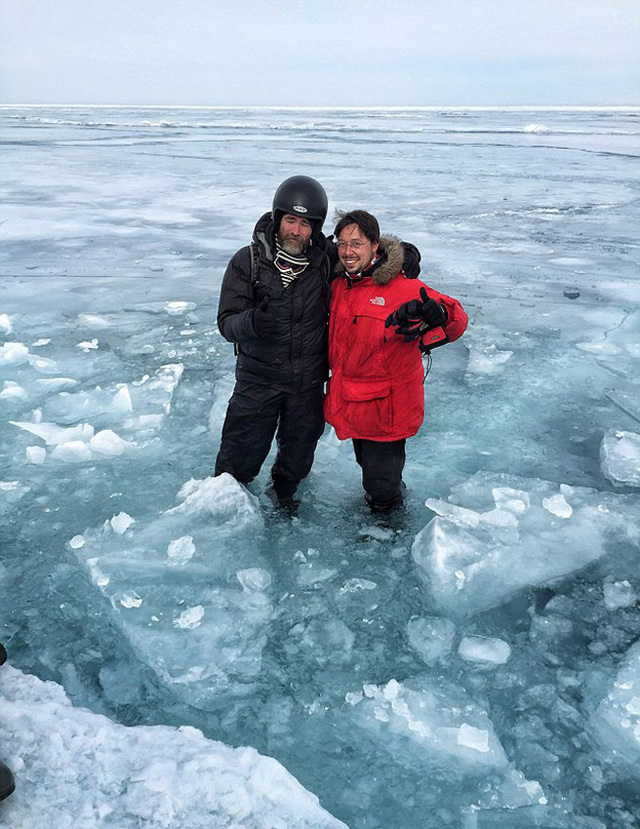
435, 719
188, 588
616, 721
498, 534
76, 768
431, 729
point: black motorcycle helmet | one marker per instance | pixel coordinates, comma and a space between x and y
301, 196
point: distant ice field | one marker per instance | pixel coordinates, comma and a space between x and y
472, 663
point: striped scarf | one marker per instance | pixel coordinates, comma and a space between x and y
290, 266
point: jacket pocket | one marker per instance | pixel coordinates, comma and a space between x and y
367, 407
362, 390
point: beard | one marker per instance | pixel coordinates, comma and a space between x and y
293, 245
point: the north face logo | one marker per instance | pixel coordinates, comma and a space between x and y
377, 300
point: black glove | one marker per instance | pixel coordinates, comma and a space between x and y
415, 317
411, 263
263, 321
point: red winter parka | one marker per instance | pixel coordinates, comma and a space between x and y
376, 388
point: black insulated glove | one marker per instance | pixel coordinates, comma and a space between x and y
263, 321
415, 317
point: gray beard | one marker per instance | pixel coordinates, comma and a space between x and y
293, 248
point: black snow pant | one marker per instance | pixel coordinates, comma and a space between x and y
382, 463
256, 413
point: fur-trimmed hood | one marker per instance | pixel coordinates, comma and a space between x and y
386, 267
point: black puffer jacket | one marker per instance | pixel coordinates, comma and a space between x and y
295, 356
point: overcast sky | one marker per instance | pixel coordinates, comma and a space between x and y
322, 53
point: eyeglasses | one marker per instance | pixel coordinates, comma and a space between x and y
354, 245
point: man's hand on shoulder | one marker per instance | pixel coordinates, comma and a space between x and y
411, 262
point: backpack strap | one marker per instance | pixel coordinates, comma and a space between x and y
253, 253
254, 278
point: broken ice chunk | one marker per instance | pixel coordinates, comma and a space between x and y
620, 458
619, 594
129, 599
190, 618
53, 434
122, 400
93, 321
475, 738
13, 354
180, 550
108, 444
73, 451
178, 307
121, 522
254, 579
88, 346
484, 650
36, 454
12, 391
431, 637
221, 498
485, 359
558, 506
514, 500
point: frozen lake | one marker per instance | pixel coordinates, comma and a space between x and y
474, 664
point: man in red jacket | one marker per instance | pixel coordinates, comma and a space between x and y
380, 325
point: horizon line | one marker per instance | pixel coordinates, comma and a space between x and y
395, 107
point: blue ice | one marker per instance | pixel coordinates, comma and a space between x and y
179, 655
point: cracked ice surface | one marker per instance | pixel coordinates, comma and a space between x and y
488, 683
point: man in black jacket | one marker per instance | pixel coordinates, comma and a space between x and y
273, 307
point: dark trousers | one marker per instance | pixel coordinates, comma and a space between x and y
254, 416
382, 463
